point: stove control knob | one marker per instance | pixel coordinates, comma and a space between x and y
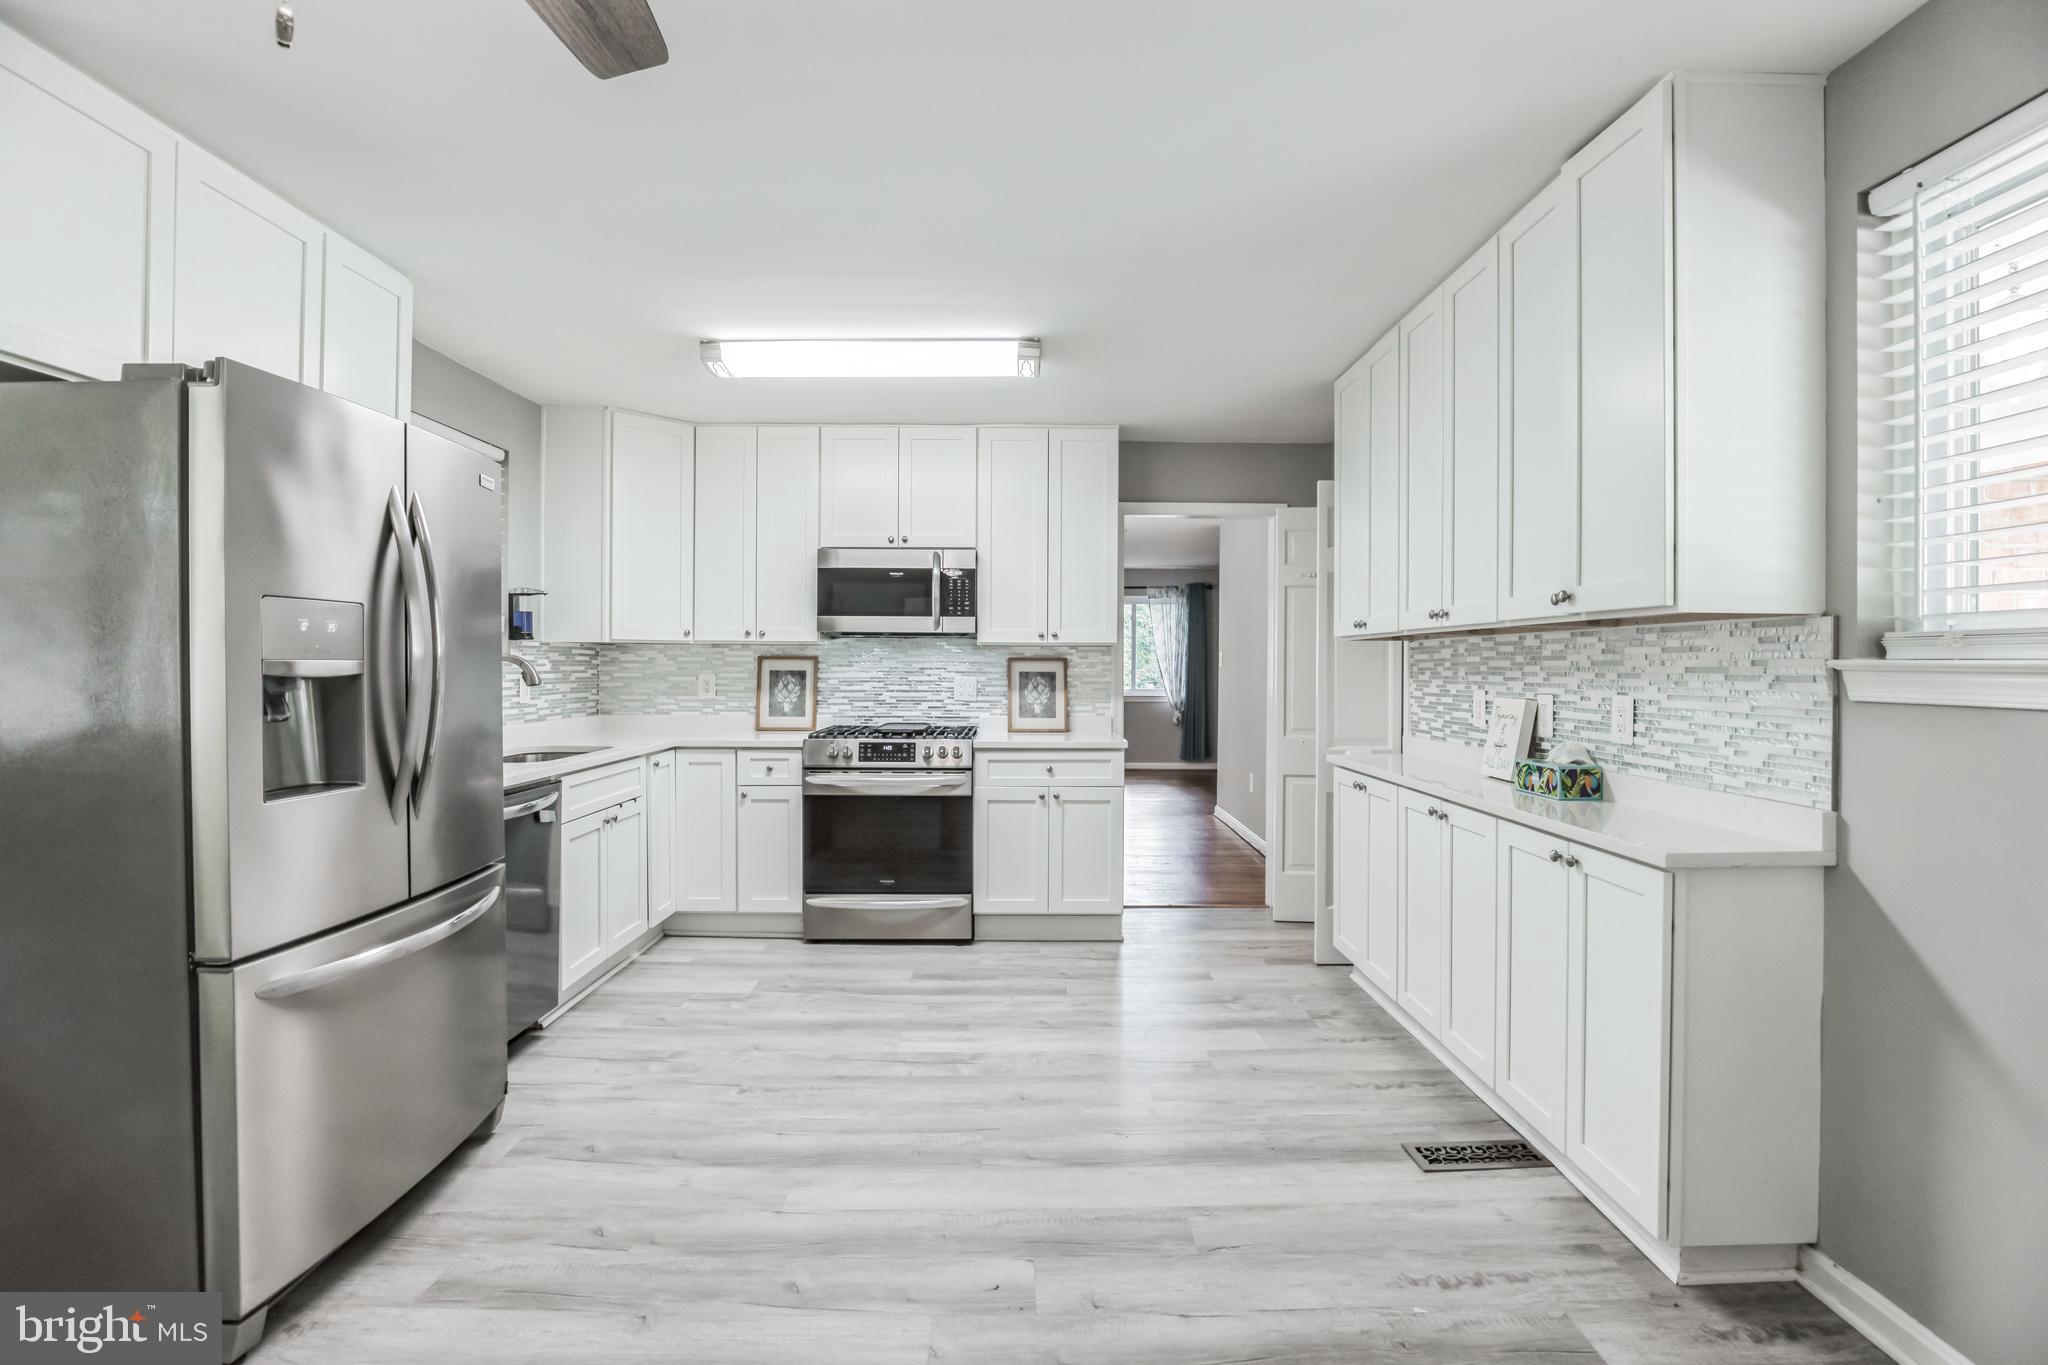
956, 751
832, 752
927, 752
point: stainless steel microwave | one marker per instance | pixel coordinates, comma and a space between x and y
896, 592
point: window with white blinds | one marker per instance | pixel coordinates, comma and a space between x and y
1963, 485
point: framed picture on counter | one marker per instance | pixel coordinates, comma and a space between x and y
1038, 696
786, 693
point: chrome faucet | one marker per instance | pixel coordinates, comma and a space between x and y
527, 674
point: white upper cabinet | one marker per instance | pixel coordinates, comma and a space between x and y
1471, 514
1423, 477
1083, 594
724, 534
936, 478
248, 273
85, 242
786, 533
1539, 387
1642, 446
861, 489
1015, 486
365, 329
652, 481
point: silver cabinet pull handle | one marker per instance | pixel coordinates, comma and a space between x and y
412, 578
438, 695
298, 983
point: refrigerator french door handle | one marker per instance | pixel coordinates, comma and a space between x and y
313, 978
413, 610
431, 733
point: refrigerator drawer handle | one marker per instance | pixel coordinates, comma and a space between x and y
886, 902
430, 737
529, 807
298, 983
413, 612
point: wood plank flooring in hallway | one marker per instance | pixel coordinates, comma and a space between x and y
1176, 852
1182, 1148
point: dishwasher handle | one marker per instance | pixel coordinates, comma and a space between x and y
529, 807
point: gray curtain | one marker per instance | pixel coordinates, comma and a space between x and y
1169, 616
1198, 662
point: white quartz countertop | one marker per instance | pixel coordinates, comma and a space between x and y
1640, 833
1003, 739
613, 739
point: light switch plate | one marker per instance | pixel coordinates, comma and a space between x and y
963, 688
1479, 707
707, 684
1546, 715
1621, 718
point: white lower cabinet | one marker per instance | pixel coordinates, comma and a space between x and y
769, 844
1086, 848
1367, 925
1422, 899
706, 838
625, 876
1049, 834
661, 838
1534, 892
1012, 849
1470, 948
582, 939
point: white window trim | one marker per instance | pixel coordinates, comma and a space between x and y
1155, 693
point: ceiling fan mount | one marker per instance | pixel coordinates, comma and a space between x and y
610, 37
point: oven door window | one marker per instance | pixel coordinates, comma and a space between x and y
888, 845
875, 592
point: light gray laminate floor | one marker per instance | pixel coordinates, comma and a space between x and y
1183, 1148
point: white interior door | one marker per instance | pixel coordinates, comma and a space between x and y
653, 495
859, 492
786, 534
1012, 487
1422, 463
1291, 714
936, 470
1539, 389
725, 534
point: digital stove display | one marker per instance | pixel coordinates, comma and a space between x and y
889, 751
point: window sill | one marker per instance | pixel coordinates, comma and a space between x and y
1145, 696
2001, 684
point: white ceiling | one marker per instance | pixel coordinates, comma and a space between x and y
1171, 542
1207, 208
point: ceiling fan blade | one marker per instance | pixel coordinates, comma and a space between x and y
610, 37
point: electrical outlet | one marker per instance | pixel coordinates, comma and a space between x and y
1621, 718
963, 688
1251, 783
1479, 707
1546, 715
707, 684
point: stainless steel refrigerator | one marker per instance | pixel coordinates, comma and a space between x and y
251, 946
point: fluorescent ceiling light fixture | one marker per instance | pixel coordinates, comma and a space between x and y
872, 359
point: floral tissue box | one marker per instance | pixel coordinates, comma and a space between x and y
1556, 781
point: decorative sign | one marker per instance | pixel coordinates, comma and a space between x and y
1507, 737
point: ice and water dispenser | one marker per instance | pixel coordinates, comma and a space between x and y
315, 707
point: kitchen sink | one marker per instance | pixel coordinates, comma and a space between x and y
550, 755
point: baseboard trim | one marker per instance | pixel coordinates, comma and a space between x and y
1170, 767
733, 924
1890, 1328
1048, 928
1235, 826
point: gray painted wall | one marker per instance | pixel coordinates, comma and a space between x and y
1934, 1073
457, 396
1242, 591
1179, 471
1148, 721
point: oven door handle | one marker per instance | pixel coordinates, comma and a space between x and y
886, 902
891, 784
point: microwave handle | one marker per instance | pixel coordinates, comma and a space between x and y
937, 560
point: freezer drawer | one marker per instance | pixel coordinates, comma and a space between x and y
335, 1074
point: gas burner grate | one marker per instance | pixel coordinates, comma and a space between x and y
896, 730
1473, 1156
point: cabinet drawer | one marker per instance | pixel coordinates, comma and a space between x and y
583, 793
1103, 768
770, 767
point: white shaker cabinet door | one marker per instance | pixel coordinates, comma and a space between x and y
936, 473
625, 876
248, 273
1470, 950
786, 534
1533, 893
725, 534
860, 492
1422, 897
1624, 206
1349, 828
365, 329
706, 835
1382, 848
86, 238
1471, 515
1087, 851
1539, 391
1083, 595
1383, 473
661, 837
1012, 486
582, 938
1352, 596
653, 496
1011, 849
1618, 1032
1423, 477
771, 850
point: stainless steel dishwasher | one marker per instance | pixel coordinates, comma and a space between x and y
533, 904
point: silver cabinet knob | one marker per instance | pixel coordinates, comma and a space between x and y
1048, 770
1055, 635
686, 635
1358, 786
1055, 796
892, 540
1432, 812
1041, 635
1570, 861
1041, 797
1556, 855
1560, 597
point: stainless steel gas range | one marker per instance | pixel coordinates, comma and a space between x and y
889, 833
